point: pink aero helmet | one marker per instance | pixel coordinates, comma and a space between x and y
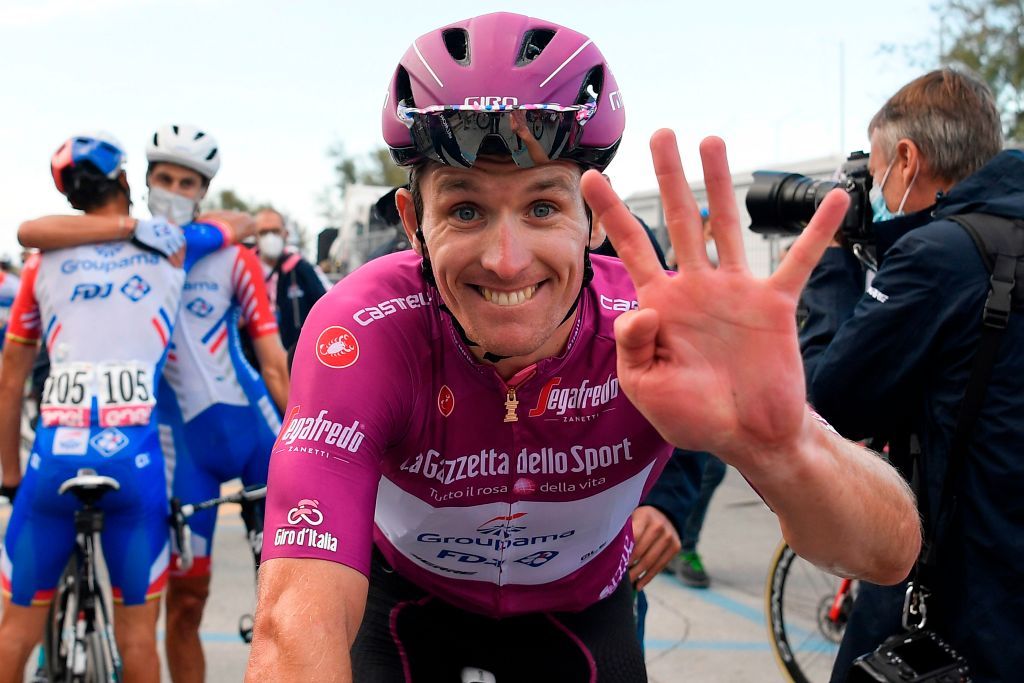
465, 88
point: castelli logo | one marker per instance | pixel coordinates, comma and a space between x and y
336, 347
445, 401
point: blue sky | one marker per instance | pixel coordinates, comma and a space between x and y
278, 82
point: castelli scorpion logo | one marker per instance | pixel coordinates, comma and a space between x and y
336, 347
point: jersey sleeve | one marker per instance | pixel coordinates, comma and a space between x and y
251, 294
24, 326
351, 394
205, 238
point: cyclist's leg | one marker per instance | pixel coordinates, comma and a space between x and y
254, 473
39, 539
201, 440
136, 548
19, 634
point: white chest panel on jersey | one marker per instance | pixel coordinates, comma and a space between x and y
200, 368
106, 314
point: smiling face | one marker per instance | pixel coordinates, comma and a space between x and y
506, 247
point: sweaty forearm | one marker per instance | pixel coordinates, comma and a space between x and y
307, 616
273, 368
10, 431
59, 232
843, 507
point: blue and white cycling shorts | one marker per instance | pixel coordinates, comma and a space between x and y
40, 537
221, 443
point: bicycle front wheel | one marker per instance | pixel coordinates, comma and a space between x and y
803, 628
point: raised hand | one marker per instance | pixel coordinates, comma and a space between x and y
711, 356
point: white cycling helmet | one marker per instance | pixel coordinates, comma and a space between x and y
186, 146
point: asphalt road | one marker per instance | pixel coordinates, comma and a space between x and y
715, 634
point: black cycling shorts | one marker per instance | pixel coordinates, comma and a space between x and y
409, 636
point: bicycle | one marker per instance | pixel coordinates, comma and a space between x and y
806, 612
78, 641
248, 498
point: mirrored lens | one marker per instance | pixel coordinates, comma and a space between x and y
530, 136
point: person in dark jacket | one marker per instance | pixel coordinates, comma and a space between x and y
894, 357
292, 281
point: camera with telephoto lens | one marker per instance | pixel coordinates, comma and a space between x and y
781, 203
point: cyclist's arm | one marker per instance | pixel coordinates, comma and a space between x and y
273, 367
308, 615
18, 356
261, 325
243, 226
353, 391
59, 232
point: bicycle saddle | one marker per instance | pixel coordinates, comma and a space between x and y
88, 486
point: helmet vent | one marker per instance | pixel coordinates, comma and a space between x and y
534, 42
592, 85
175, 129
156, 140
199, 134
213, 152
403, 88
456, 40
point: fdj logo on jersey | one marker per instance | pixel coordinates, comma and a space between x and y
135, 288
541, 557
200, 307
86, 291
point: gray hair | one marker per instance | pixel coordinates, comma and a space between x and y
950, 115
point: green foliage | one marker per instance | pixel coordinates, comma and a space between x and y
228, 200
373, 168
987, 36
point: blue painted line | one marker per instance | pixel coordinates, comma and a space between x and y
213, 637
815, 643
711, 597
708, 645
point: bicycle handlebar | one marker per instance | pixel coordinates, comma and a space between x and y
180, 514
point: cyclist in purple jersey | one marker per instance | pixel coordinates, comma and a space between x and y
97, 404
471, 425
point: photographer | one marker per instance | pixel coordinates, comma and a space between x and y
893, 355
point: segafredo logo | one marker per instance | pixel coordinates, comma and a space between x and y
586, 395
336, 347
321, 429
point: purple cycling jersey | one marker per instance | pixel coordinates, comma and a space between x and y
501, 497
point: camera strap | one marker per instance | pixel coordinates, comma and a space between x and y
1000, 241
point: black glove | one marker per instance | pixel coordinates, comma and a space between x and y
9, 492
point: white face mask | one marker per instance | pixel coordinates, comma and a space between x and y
271, 244
173, 207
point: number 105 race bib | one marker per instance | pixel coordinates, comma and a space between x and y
123, 392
